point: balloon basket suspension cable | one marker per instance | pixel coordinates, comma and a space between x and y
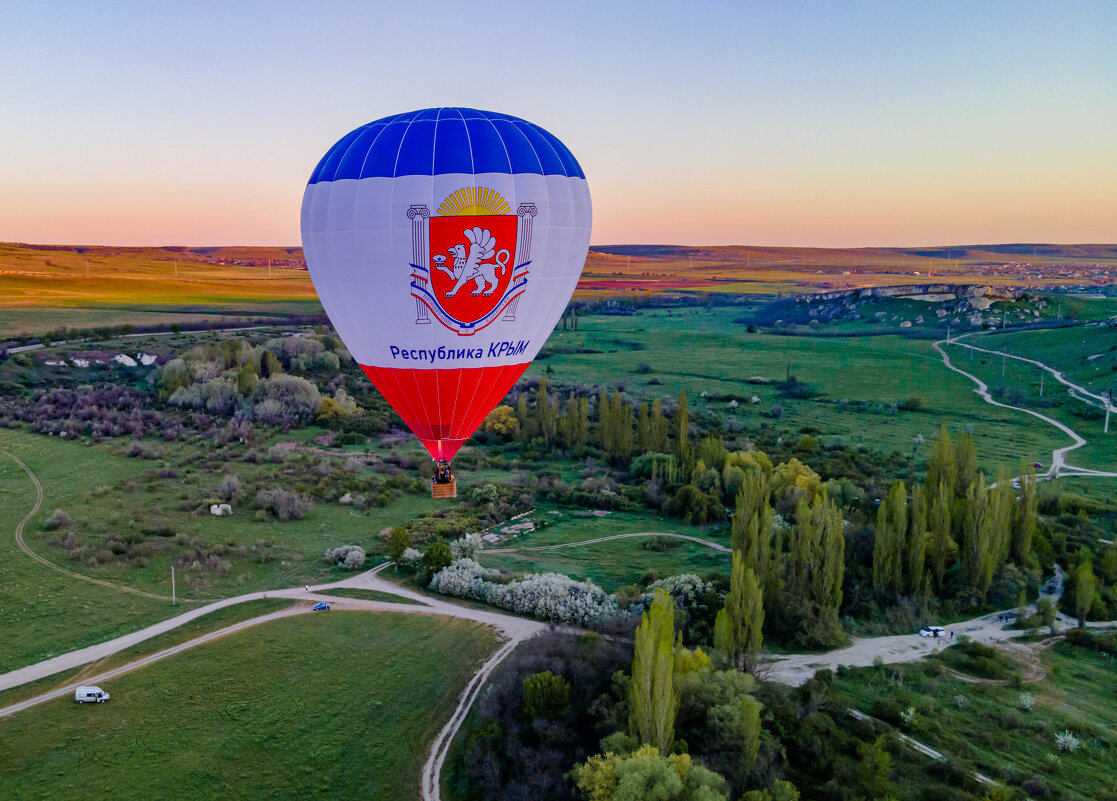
443, 483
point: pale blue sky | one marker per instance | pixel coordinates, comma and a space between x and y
813, 123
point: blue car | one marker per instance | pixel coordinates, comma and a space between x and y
322, 607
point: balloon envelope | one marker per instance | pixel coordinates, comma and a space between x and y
444, 245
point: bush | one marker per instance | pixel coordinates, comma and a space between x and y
286, 505
230, 487
438, 557
549, 596
58, 519
350, 557
411, 558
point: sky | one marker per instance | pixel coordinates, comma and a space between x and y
825, 123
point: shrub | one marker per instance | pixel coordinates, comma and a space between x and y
286, 505
550, 596
58, 519
466, 547
410, 557
230, 487
350, 557
1067, 742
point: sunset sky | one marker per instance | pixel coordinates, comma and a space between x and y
777, 123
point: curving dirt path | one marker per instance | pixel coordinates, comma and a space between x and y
23, 546
1059, 466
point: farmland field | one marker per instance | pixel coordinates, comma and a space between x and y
291, 704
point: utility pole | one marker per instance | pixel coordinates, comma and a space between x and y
1108, 406
948, 334
1004, 358
173, 601
1042, 375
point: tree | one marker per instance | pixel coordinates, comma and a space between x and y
891, 531
399, 540
501, 422
1002, 507
545, 412
437, 557
941, 467
1046, 612
545, 695
643, 429
269, 365
646, 775
652, 696
817, 569
940, 542
965, 457
659, 428
738, 629
523, 417
246, 379
1085, 590
915, 549
977, 551
1024, 520
682, 432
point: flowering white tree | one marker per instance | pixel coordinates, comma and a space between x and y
550, 596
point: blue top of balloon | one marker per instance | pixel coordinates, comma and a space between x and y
436, 141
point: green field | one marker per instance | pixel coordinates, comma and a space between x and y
703, 350
991, 731
1100, 450
217, 619
1086, 355
44, 613
337, 706
608, 564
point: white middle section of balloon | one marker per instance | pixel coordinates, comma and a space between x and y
358, 243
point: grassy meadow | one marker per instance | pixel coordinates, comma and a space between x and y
659, 352
982, 724
334, 706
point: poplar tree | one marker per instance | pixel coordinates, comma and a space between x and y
652, 697
941, 467
739, 625
939, 540
1085, 590
682, 432
545, 412
1024, 519
891, 531
977, 551
522, 416
915, 549
605, 426
817, 568
622, 435
965, 457
659, 428
644, 430
1002, 505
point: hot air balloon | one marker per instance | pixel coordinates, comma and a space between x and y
444, 245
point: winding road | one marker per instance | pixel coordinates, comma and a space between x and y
1059, 466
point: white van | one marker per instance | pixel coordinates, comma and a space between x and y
90, 695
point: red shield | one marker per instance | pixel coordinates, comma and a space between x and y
472, 259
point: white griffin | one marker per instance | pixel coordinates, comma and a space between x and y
468, 265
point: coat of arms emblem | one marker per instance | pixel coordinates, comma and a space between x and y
462, 269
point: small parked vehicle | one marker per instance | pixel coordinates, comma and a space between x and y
1037, 464
90, 695
322, 606
931, 631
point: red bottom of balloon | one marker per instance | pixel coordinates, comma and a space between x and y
444, 407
